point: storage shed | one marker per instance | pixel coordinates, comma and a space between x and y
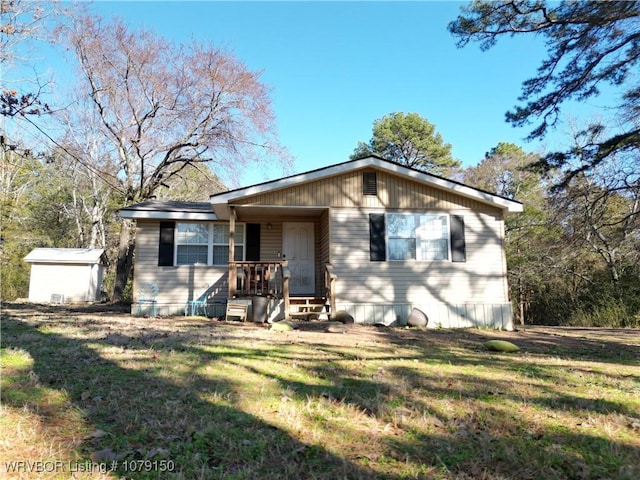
65, 275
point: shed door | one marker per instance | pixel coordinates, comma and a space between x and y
297, 247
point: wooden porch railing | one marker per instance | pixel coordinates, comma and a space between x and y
256, 278
330, 287
272, 278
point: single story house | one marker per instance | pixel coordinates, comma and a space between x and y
369, 237
65, 275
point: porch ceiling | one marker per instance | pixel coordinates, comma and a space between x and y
274, 211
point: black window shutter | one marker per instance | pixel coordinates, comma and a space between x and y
377, 245
252, 253
165, 247
458, 246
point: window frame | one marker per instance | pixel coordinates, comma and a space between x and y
210, 243
389, 238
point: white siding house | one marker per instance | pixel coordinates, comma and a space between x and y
65, 275
369, 237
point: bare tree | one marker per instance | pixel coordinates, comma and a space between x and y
21, 24
601, 212
85, 156
163, 107
193, 184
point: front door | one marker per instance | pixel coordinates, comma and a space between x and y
297, 247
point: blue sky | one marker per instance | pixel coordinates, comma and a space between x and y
335, 67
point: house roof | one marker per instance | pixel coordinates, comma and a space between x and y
66, 255
216, 208
167, 209
506, 204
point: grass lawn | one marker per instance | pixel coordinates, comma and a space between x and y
90, 394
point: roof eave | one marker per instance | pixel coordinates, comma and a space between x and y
89, 256
161, 215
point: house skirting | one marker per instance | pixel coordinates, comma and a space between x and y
275, 309
467, 315
147, 309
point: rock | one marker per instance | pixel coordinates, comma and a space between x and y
501, 346
342, 317
417, 318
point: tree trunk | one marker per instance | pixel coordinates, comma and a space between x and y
98, 237
77, 216
125, 260
521, 306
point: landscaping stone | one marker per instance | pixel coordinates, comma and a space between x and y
342, 317
417, 318
501, 346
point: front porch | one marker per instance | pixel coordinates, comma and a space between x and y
281, 253
271, 280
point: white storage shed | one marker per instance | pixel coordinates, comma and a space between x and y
65, 275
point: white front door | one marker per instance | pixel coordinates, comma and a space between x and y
297, 247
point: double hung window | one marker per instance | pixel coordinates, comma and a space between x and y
192, 244
206, 243
416, 236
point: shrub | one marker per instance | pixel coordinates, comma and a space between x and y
609, 313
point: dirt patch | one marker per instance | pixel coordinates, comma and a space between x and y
115, 322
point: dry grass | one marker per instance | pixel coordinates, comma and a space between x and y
209, 399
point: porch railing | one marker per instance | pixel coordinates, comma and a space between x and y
272, 278
330, 287
256, 278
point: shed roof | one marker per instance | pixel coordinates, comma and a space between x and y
66, 255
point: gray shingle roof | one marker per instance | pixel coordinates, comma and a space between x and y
170, 206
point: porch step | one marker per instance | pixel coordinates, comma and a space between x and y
308, 306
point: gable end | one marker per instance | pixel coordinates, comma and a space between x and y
349, 190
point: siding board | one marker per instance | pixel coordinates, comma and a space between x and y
451, 294
176, 284
481, 278
346, 191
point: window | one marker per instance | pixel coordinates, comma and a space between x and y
221, 243
192, 243
207, 243
413, 236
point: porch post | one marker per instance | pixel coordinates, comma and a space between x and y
286, 275
232, 249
